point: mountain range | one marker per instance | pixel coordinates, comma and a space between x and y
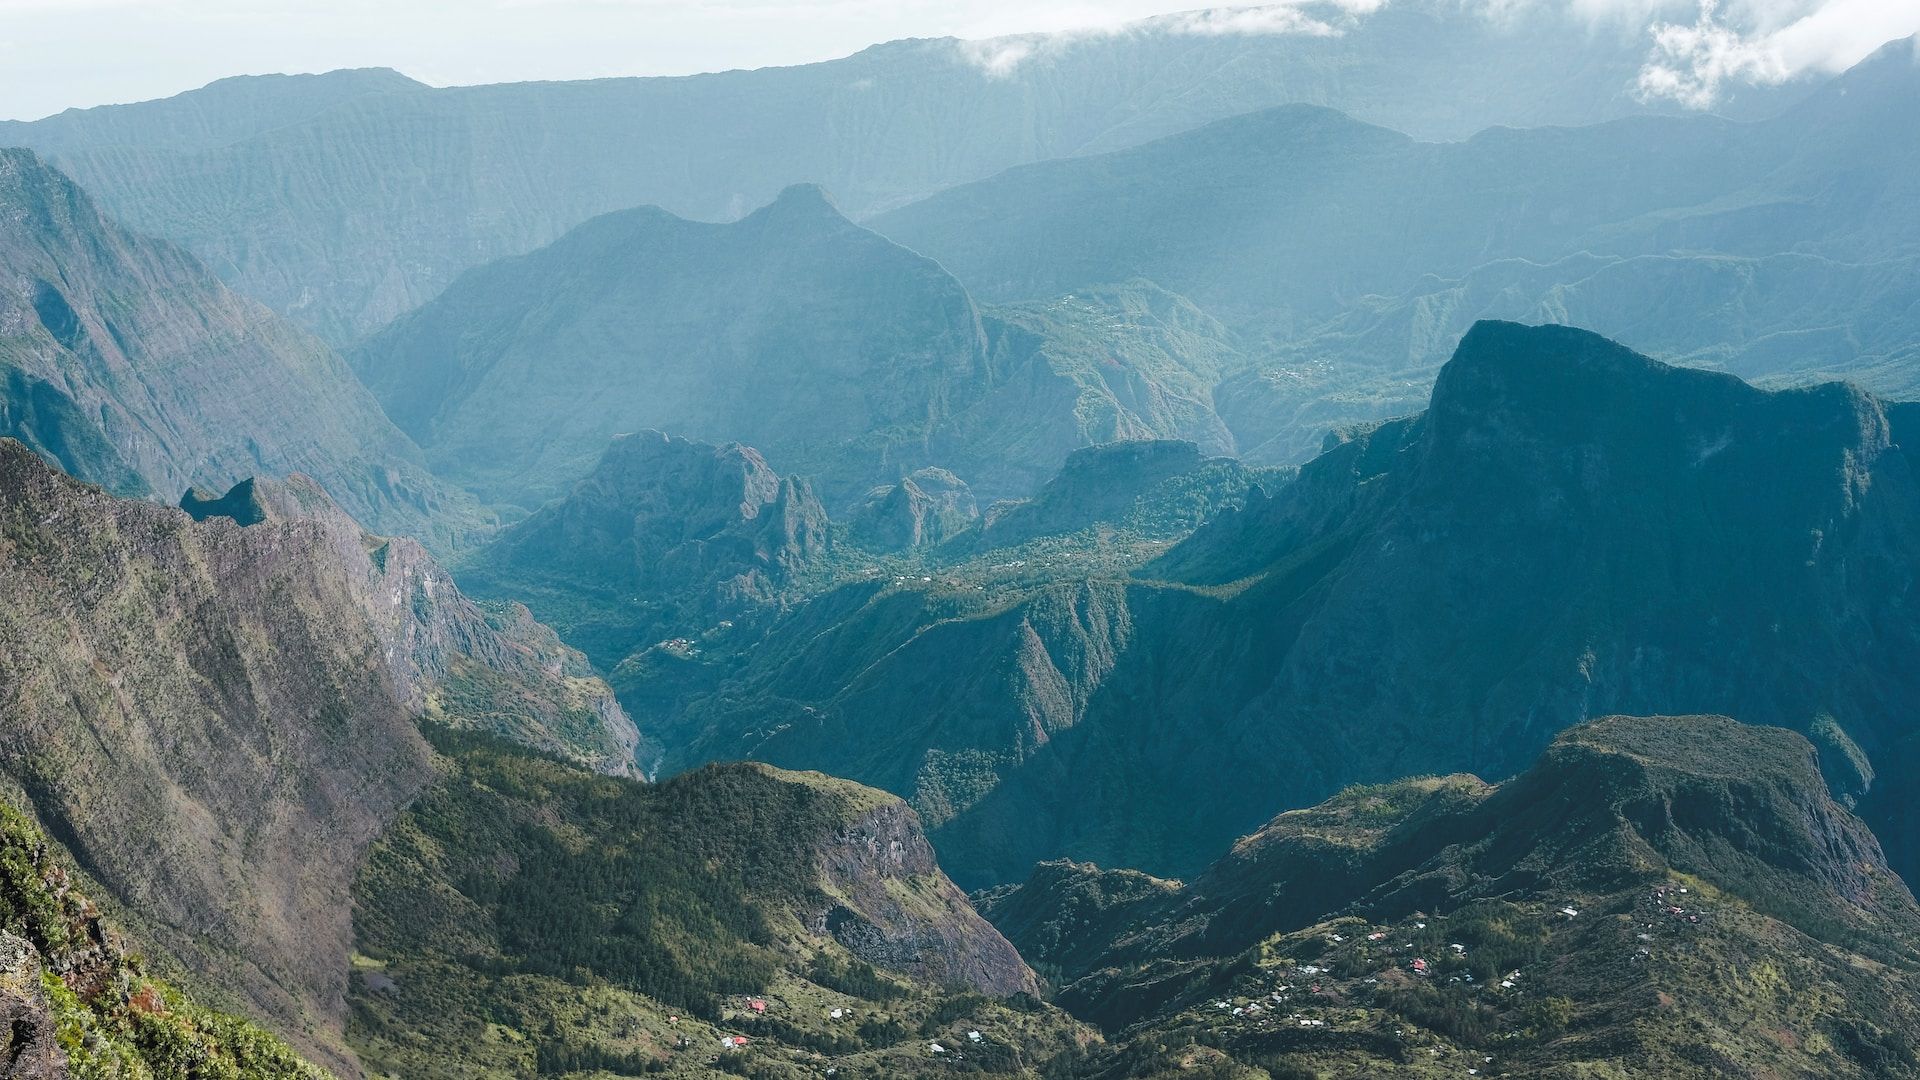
570, 581
793, 330
1569, 530
1348, 259
340, 797
1238, 215
348, 198
126, 361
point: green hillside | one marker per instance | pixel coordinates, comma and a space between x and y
1663, 896
524, 919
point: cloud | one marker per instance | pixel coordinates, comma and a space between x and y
1765, 43
1698, 50
1001, 56
998, 57
1266, 20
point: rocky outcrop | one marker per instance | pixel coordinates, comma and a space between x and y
219, 719
924, 509
130, 365
894, 909
29, 1045
665, 537
241, 504
1097, 483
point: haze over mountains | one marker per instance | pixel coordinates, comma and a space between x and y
1569, 530
793, 330
132, 366
1349, 258
1344, 538
349, 198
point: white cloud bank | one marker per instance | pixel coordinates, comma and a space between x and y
1001, 56
60, 53
1697, 49
1767, 43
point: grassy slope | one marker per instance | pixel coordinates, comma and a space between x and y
525, 918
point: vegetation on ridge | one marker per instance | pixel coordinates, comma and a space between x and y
1658, 896
109, 1018
525, 918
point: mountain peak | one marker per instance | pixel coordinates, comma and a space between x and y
27, 180
795, 330
360, 78
1521, 389
1542, 357
703, 530
800, 202
1712, 796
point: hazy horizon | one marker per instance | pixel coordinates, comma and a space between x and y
61, 54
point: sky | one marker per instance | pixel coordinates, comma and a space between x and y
58, 54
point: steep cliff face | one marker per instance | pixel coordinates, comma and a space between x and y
77, 1001
1610, 877
219, 719
128, 363
258, 736
1570, 530
500, 671
896, 910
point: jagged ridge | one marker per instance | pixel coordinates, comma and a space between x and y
258, 688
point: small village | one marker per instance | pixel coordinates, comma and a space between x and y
1446, 994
